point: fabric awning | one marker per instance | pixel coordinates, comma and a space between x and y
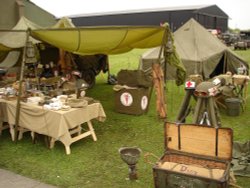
102, 40
108, 40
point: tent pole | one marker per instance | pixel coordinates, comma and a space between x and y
20, 86
163, 46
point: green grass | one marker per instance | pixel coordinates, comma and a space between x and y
98, 164
245, 54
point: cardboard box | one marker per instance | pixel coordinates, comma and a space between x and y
195, 156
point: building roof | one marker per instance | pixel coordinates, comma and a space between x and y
160, 9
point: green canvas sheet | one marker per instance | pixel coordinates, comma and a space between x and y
102, 40
241, 158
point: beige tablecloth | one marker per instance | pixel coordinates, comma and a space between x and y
55, 124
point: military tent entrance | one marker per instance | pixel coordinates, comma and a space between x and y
200, 51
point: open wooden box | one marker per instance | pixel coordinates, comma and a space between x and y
195, 156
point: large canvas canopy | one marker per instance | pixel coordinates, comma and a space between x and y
101, 40
90, 40
200, 51
110, 40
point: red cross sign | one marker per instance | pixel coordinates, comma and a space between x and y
190, 85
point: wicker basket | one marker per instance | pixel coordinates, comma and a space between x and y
77, 103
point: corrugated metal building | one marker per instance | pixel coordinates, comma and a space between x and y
210, 16
12, 10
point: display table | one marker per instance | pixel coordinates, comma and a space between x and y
59, 125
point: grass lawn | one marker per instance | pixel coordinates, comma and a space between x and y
98, 164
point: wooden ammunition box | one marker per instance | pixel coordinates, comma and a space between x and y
195, 156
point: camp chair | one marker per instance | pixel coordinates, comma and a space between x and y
240, 82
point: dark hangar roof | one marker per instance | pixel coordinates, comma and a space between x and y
201, 9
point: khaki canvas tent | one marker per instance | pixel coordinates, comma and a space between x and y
16, 37
200, 51
11, 42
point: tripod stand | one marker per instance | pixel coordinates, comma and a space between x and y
205, 111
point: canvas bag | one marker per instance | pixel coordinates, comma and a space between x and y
134, 78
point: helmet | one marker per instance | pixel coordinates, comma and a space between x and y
77, 73
112, 80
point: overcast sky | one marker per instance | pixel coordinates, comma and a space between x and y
237, 10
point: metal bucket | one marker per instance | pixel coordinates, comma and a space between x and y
233, 106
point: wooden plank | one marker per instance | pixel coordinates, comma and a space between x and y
159, 87
225, 143
171, 136
199, 140
83, 135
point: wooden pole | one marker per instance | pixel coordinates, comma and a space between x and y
20, 86
159, 79
61, 61
158, 84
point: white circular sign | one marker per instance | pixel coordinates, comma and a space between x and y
144, 102
126, 99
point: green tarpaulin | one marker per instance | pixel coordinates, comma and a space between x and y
241, 158
101, 40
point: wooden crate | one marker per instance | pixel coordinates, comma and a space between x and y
195, 156
132, 101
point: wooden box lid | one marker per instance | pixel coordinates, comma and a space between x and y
199, 139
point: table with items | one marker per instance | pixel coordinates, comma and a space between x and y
63, 124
